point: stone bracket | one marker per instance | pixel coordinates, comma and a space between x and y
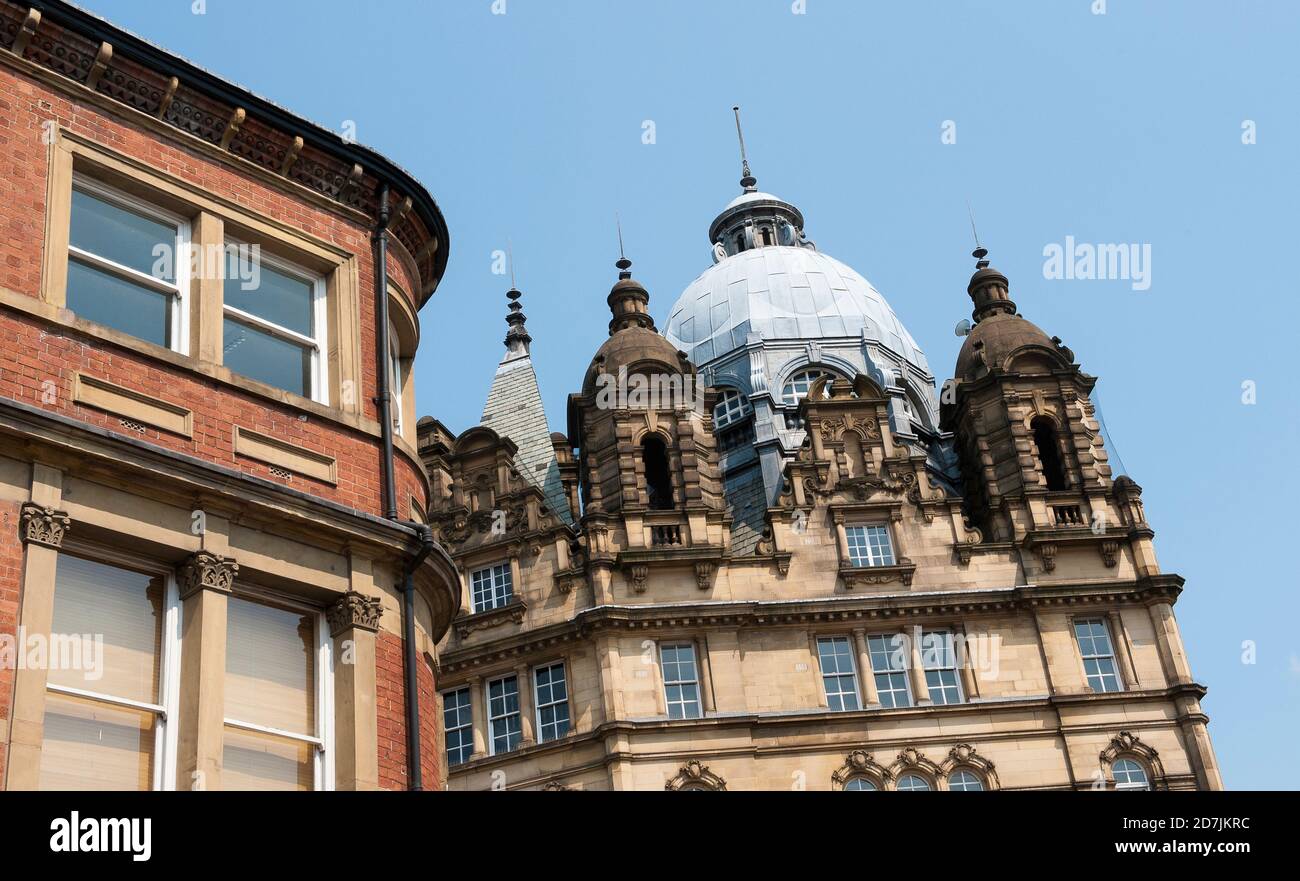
43, 526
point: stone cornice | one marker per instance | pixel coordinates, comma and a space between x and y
895, 607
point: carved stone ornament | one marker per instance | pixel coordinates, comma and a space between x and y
860, 763
354, 610
1129, 745
1109, 553
556, 786
1047, 554
205, 570
704, 573
44, 526
964, 757
913, 760
512, 612
695, 776
639, 572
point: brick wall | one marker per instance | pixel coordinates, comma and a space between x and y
390, 705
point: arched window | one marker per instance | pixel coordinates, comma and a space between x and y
1049, 453
859, 784
732, 406
965, 781
796, 389
913, 783
658, 481
1130, 775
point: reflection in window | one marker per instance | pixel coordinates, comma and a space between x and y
912, 783
869, 545
1130, 775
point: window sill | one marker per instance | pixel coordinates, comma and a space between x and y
866, 576
65, 319
467, 622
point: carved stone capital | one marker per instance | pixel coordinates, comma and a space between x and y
704, 573
354, 610
44, 526
205, 570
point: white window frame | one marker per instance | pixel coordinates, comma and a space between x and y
493, 586
732, 407
791, 395
695, 665
928, 785
518, 713
538, 705
931, 665
1086, 656
1145, 786
967, 772
895, 644
319, 343
872, 558
467, 726
855, 690
395, 381
169, 667
323, 740
178, 293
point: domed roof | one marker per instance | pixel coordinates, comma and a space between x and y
993, 339
782, 292
631, 346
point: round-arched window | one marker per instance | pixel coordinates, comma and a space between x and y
732, 406
796, 387
913, 783
859, 784
964, 781
1130, 775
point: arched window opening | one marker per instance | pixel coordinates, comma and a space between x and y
767, 236
1130, 775
658, 482
796, 389
964, 781
1049, 453
740, 241
732, 406
913, 783
859, 784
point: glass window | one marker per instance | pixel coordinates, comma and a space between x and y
1098, 654
396, 377
838, 675
458, 725
273, 691
964, 781
939, 661
869, 545
1130, 775
796, 389
128, 265
732, 406
889, 665
111, 658
492, 587
552, 695
681, 681
859, 784
274, 327
913, 783
503, 714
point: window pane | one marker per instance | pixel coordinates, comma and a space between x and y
277, 297
125, 608
255, 761
106, 299
123, 236
263, 356
89, 745
457, 721
270, 666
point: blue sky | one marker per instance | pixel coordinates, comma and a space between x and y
1124, 127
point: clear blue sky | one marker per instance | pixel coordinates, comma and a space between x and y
1123, 127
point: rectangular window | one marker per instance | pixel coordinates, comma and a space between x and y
396, 377
939, 661
681, 681
869, 546
128, 265
113, 661
838, 674
458, 725
1098, 654
275, 326
492, 587
552, 699
278, 698
504, 722
889, 665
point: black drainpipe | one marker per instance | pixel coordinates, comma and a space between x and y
414, 777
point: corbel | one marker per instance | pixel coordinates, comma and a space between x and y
26, 32
100, 65
237, 117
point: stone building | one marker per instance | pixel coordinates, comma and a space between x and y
208, 466
777, 558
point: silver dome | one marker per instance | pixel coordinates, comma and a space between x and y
782, 292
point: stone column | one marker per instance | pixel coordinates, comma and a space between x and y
706, 676
1120, 645
354, 621
42, 527
870, 697
524, 683
916, 670
478, 715
1170, 644
205, 581
965, 666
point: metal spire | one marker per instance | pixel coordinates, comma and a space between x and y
980, 253
748, 181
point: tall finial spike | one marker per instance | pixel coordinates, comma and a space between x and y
980, 252
510, 258
619, 224
747, 180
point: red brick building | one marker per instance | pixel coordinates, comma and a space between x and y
212, 569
